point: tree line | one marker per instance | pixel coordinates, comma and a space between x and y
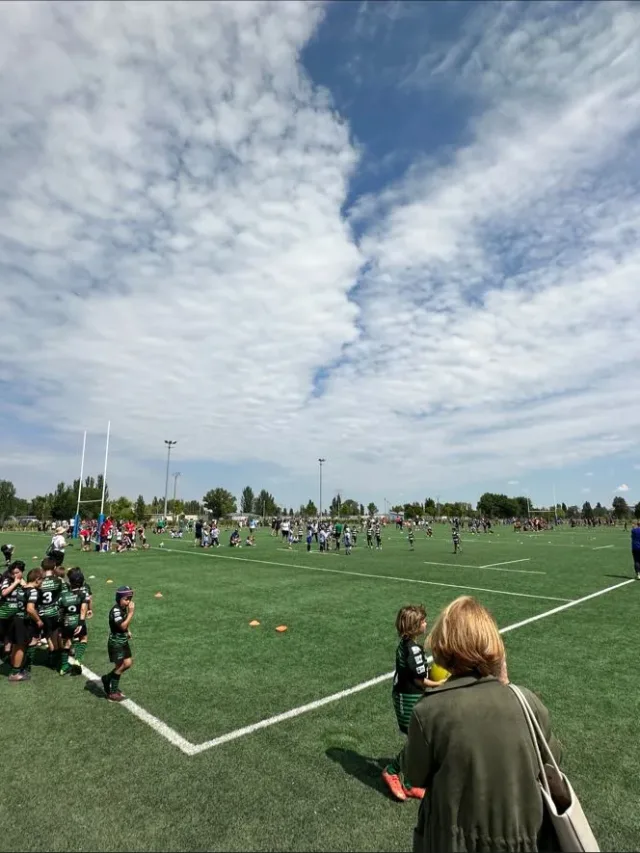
220, 502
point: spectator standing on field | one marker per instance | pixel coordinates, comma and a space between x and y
635, 548
58, 544
469, 745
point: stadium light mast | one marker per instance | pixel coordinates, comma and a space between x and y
169, 444
175, 489
321, 462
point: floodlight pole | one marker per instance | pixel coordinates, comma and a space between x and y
169, 444
175, 489
321, 461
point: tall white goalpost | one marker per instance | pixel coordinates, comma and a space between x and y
77, 519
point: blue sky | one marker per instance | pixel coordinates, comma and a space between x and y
401, 236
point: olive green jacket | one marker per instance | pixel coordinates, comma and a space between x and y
470, 746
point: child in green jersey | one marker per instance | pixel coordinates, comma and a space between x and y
26, 627
120, 655
80, 640
10, 583
73, 614
409, 683
49, 611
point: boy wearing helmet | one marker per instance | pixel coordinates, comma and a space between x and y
120, 617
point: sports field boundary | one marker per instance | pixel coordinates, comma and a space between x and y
190, 749
347, 572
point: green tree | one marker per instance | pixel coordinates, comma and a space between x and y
372, 509
219, 502
140, 509
41, 507
21, 507
192, 507
430, 507
311, 510
247, 499
636, 510
573, 511
493, 505
413, 510
397, 508
587, 510
350, 508
600, 511
7, 500
63, 503
120, 509
620, 508
265, 504
336, 505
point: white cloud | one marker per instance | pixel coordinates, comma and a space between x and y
177, 257
589, 474
513, 482
586, 491
623, 488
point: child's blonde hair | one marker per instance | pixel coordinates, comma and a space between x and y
409, 620
466, 639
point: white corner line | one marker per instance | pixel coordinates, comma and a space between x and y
189, 748
372, 682
602, 547
157, 725
368, 575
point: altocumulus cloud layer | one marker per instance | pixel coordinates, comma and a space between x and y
178, 253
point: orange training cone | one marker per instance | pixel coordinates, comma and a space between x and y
253, 623
109, 581
281, 629
158, 595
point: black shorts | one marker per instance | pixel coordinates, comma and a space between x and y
635, 553
119, 653
68, 632
51, 625
23, 631
57, 557
6, 629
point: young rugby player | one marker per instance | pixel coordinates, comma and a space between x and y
10, 583
73, 614
120, 617
25, 628
48, 609
409, 683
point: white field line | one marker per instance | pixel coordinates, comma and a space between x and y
193, 749
319, 703
490, 567
602, 547
157, 725
511, 563
367, 575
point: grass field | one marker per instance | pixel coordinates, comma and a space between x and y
180, 766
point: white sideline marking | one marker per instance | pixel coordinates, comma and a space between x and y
376, 577
319, 703
490, 567
510, 563
602, 547
157, 725
189, 748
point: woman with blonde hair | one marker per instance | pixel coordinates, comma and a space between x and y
470, 746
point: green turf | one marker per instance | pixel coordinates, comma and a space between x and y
309, 783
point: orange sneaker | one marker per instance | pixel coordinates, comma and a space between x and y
394, 784
415, 793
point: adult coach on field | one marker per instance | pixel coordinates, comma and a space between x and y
635, 548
